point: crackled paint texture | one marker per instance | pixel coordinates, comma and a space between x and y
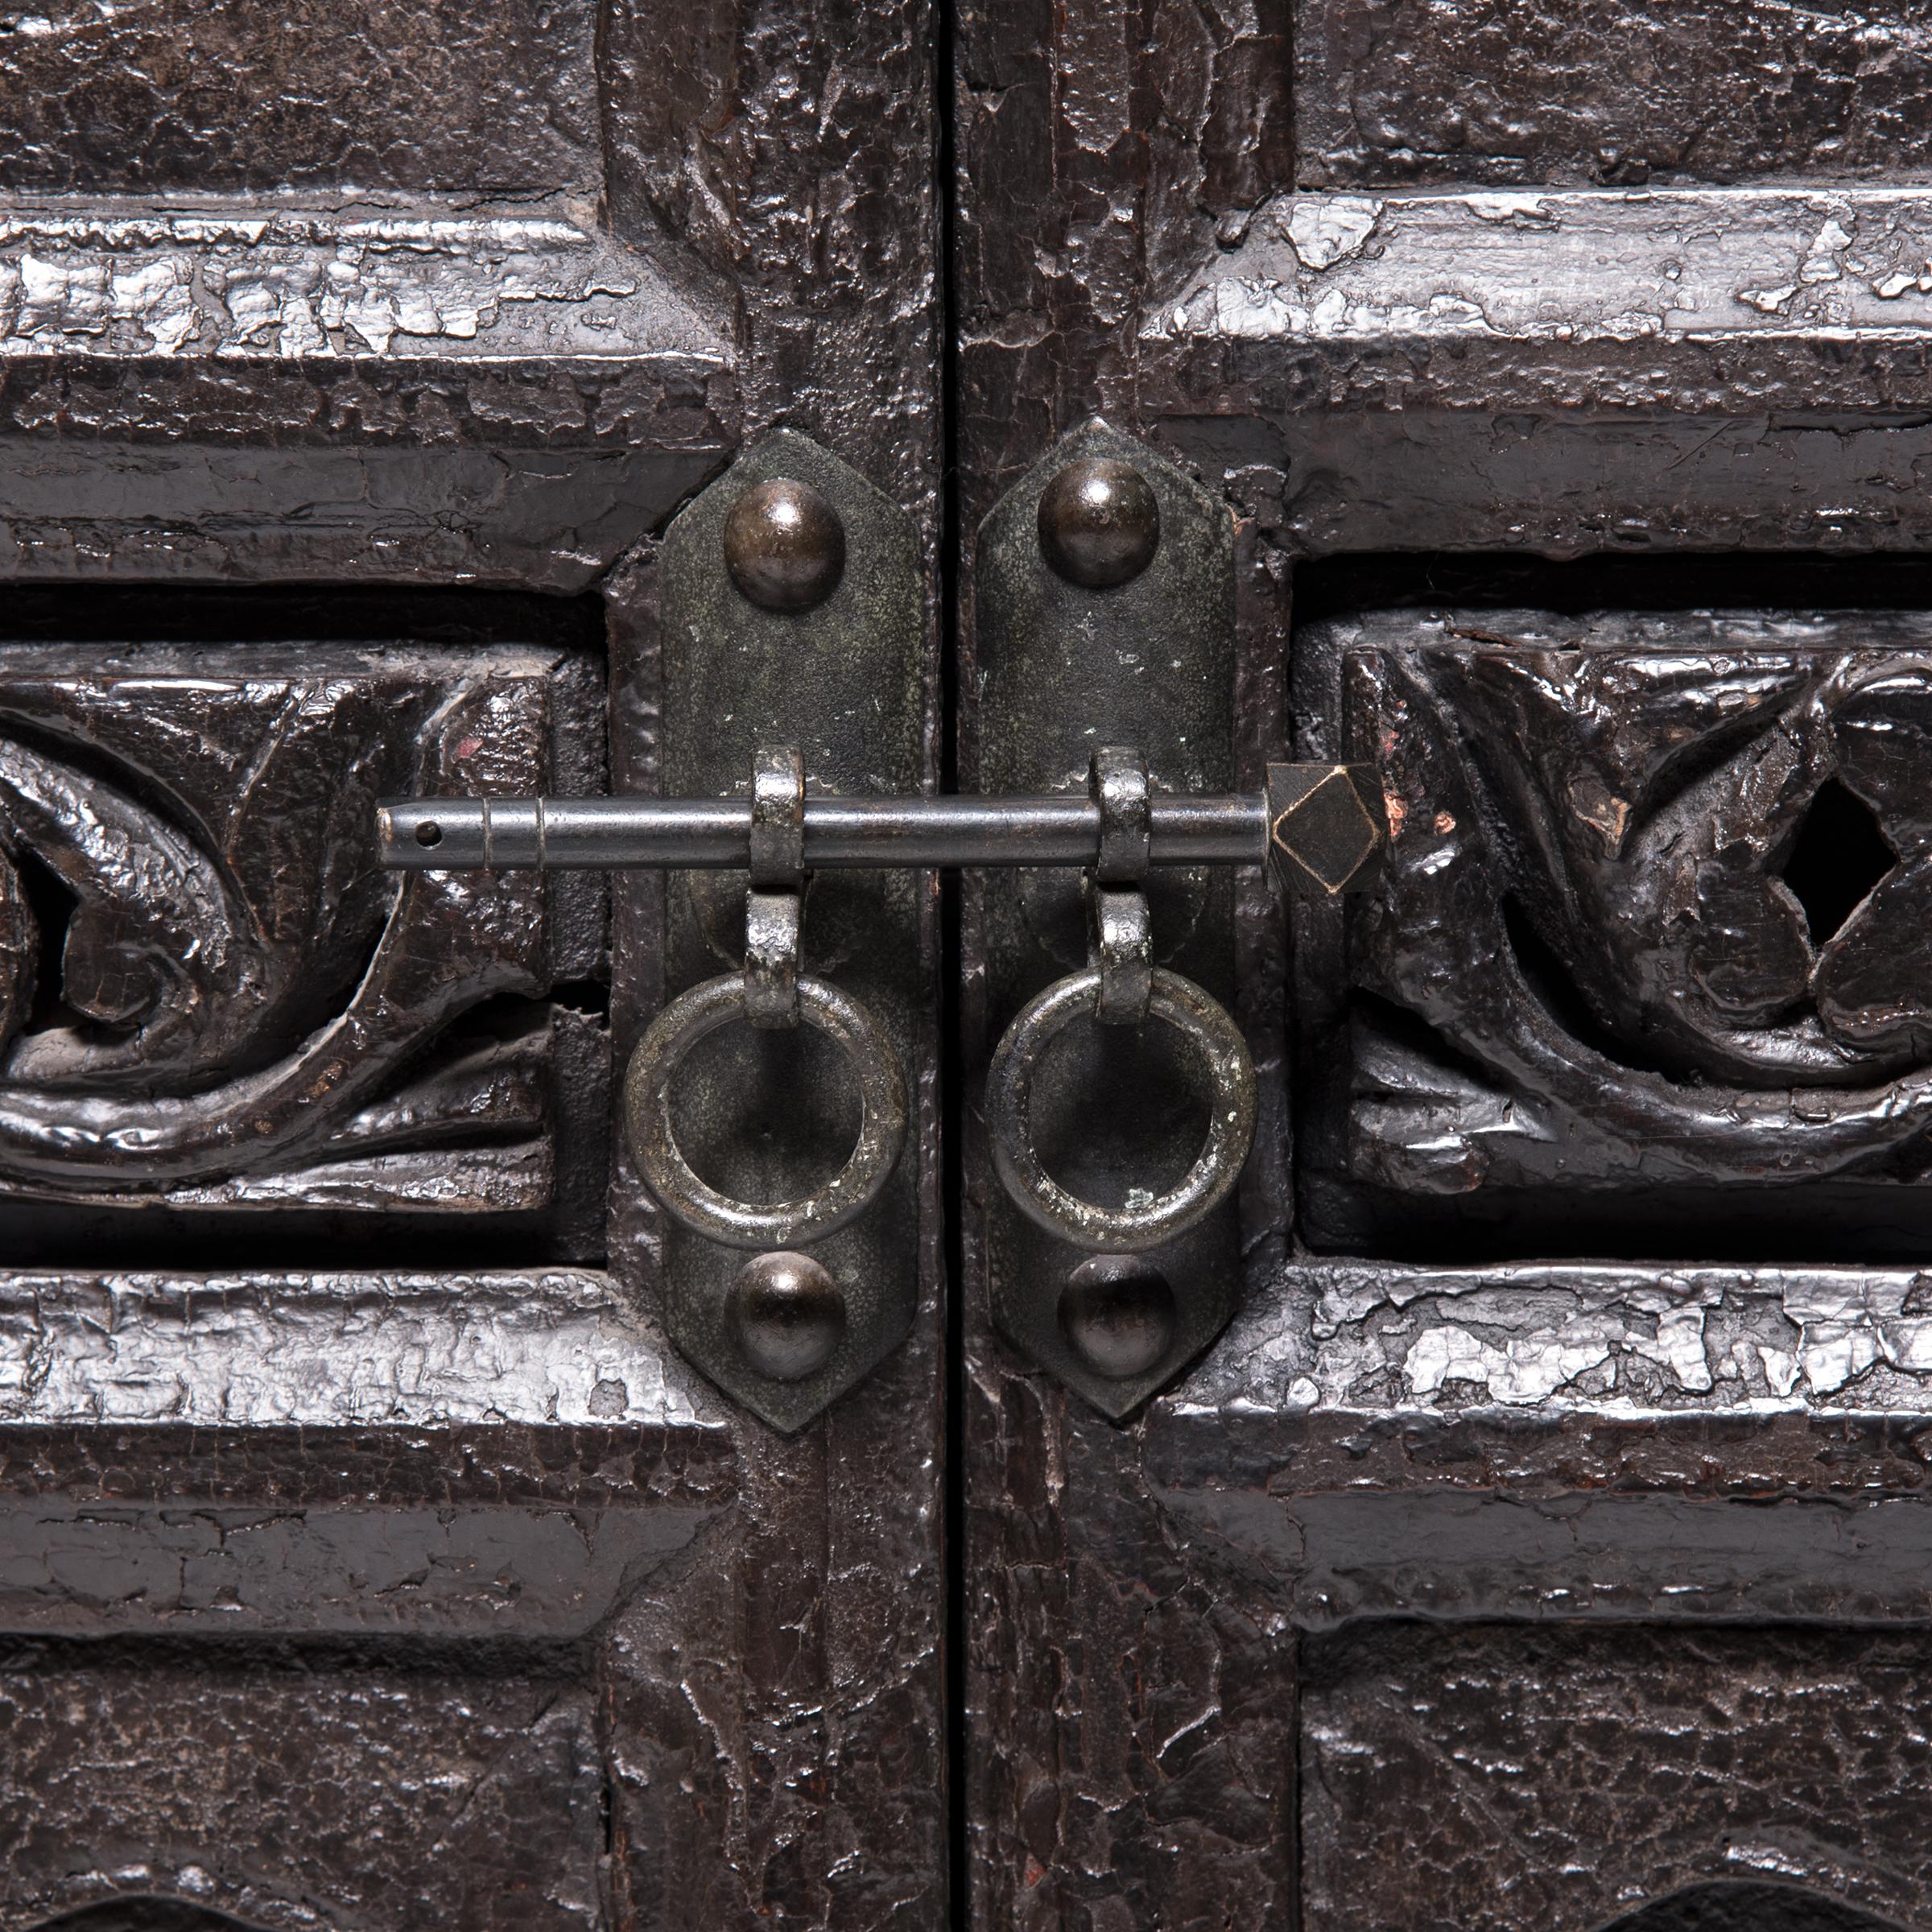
440, 1456
495, 96
1574, 267
403, 328
1558, 370
1632, 1007
1610, 92
456, 1597
243, 1011
328, 282
302, 1790
1598, 1338
1494, 1778
1496, 367
1129, 1719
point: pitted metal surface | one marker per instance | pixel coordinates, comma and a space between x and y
1148, 1221
766, 1115
836, 1201
1070, 671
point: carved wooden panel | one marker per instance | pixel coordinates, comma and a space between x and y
1607, 92
1499, 1778
287, 1791
1652, 938
370, 94
365, 1566
211, 1000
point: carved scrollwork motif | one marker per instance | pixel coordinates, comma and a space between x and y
1747, 1905
239, 996
1589, 971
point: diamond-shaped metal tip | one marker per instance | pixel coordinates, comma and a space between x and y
1325, 826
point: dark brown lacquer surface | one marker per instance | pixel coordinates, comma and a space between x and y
1569, 1772
1650, 939
212, 1001
368, 1557
1562, 370
1129, 1719
330, 93
1606, 92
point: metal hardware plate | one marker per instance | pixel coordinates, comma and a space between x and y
763, 1115
1067, 666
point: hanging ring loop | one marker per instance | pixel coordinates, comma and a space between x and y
1205, 1024
701, 1208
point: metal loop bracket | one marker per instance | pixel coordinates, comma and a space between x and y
1206, 1025
773, 936
695, 1203
1120, 944
777, 819
1116, 782
774, 910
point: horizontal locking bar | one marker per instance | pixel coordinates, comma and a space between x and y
506, 835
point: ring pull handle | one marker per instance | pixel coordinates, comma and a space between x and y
769, 991
1121, 986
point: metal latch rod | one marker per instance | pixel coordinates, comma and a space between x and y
455, 834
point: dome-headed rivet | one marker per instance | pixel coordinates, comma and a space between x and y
1117, 1315
1100, 523
786, 1315
784, 545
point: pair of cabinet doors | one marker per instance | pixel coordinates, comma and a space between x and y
1516, 1522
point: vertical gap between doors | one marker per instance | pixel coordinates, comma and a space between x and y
959, 1888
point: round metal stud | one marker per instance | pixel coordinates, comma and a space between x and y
1100, 523
1117, 1315
695, 1203
784, 545
787, 1316
1204, 1023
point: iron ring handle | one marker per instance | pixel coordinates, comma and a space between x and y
701, 1208
1205, 1024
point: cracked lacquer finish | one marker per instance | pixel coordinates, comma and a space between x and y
1549, 1440
418, 1581
1497, 1777
1607, 92
305, 1576
381, 390
438, 1457
1522, 290
777, 1754
179, 94
300, 1789
346, 290
1130, 1721
1587, 979
1560, 371
220, 1003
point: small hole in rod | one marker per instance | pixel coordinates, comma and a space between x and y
429, 832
